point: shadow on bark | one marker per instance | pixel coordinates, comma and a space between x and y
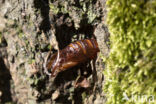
5, 78
65, 32
43, 6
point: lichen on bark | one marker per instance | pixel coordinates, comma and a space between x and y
30, 28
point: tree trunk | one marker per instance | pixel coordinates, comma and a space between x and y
29, 30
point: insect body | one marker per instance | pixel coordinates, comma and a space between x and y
75, 53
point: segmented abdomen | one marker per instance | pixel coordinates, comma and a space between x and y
72, 55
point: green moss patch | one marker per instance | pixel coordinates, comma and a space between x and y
130, 74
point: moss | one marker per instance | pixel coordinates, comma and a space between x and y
20, 32
84, 95
79, 10
31, 61
131, 66
91, 15
54, 9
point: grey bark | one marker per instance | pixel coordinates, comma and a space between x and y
27, 29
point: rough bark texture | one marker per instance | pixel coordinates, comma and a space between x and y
28, 28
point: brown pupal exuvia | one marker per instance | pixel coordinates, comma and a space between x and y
75, 53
